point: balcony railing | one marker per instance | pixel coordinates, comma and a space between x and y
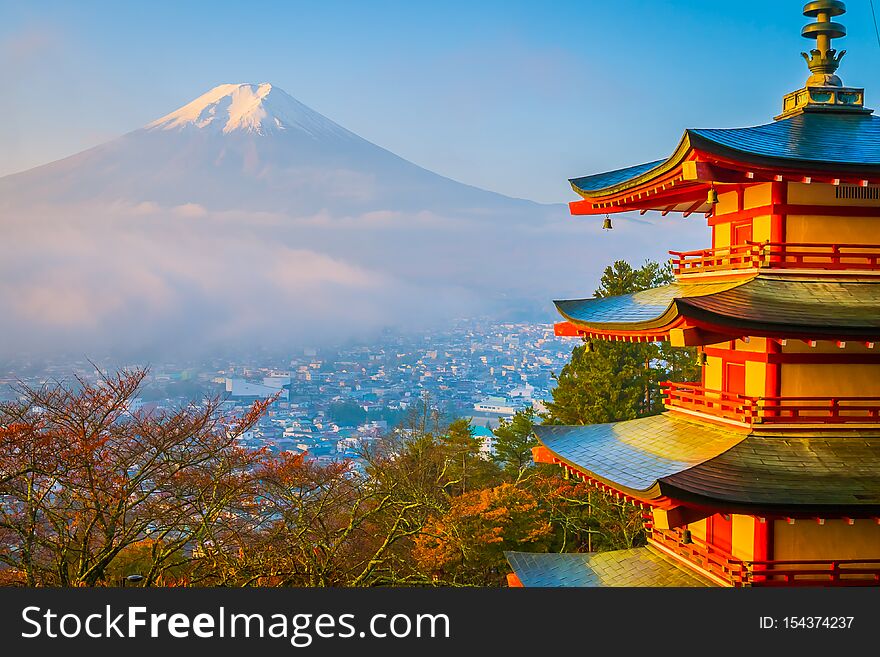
704, 556
839, 572
693, 397
772, 410
778, 255
726, 567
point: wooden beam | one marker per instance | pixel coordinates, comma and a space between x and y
696, 206
696, 337
678, 516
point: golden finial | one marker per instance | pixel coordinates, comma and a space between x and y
824, 91
823, 59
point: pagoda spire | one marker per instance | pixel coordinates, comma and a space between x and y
824, 60
824, 91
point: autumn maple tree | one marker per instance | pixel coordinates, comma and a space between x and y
85, 479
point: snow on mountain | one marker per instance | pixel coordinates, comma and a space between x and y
249, 147
254, 108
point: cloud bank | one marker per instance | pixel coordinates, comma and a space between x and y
145, 280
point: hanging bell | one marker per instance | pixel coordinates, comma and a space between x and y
712, 199
702, 358
686, 537
590, 348
607, 224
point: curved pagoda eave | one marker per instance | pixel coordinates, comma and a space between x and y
760, 306
814, 145
666, 460
633, 456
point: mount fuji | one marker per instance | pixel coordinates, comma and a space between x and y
245, 217
248, 147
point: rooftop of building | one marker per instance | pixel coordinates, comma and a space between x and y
757, 305
671, 457
644, 567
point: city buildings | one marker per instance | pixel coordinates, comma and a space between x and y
332, 401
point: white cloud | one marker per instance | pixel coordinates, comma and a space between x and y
142, 280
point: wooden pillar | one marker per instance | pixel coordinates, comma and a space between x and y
778, 197
773, 377
763, 539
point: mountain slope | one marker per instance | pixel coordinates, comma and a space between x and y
244, 217
248, 147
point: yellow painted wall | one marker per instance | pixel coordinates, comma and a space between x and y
756, 373
761, 229
801, 380
714, 373
727, 203
756, 379
757, 196
807, 539
743, 537
754, 344
823, 194
829, 230
721, 236
698, 529
832, 230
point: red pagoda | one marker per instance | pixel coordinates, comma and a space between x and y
766, 472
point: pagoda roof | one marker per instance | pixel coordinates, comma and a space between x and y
779, 472
621, 568
634, 455
667, 457
763, 305
846, 144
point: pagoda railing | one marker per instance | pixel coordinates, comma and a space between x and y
836, 572
702, 555
778, 255
737, 572
693, 397
771, 410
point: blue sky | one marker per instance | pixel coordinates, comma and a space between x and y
510, 96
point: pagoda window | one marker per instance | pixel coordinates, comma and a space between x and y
852, 191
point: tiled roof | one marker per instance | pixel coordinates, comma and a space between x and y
691, 461
647, 306
636, 453
776, 304
621, 568
762, 304
845, 143
603, 180
810, 473
816, 138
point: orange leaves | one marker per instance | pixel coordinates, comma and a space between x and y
84, 481
471, 536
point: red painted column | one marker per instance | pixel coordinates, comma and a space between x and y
778, 197
763, 539
763, 548
773, 378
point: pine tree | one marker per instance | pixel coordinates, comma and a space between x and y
616, 381
514, 441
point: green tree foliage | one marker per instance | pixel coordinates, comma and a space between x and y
467, 467
615, 381
514, 440
347, 414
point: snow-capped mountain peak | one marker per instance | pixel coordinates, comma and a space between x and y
254, 108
